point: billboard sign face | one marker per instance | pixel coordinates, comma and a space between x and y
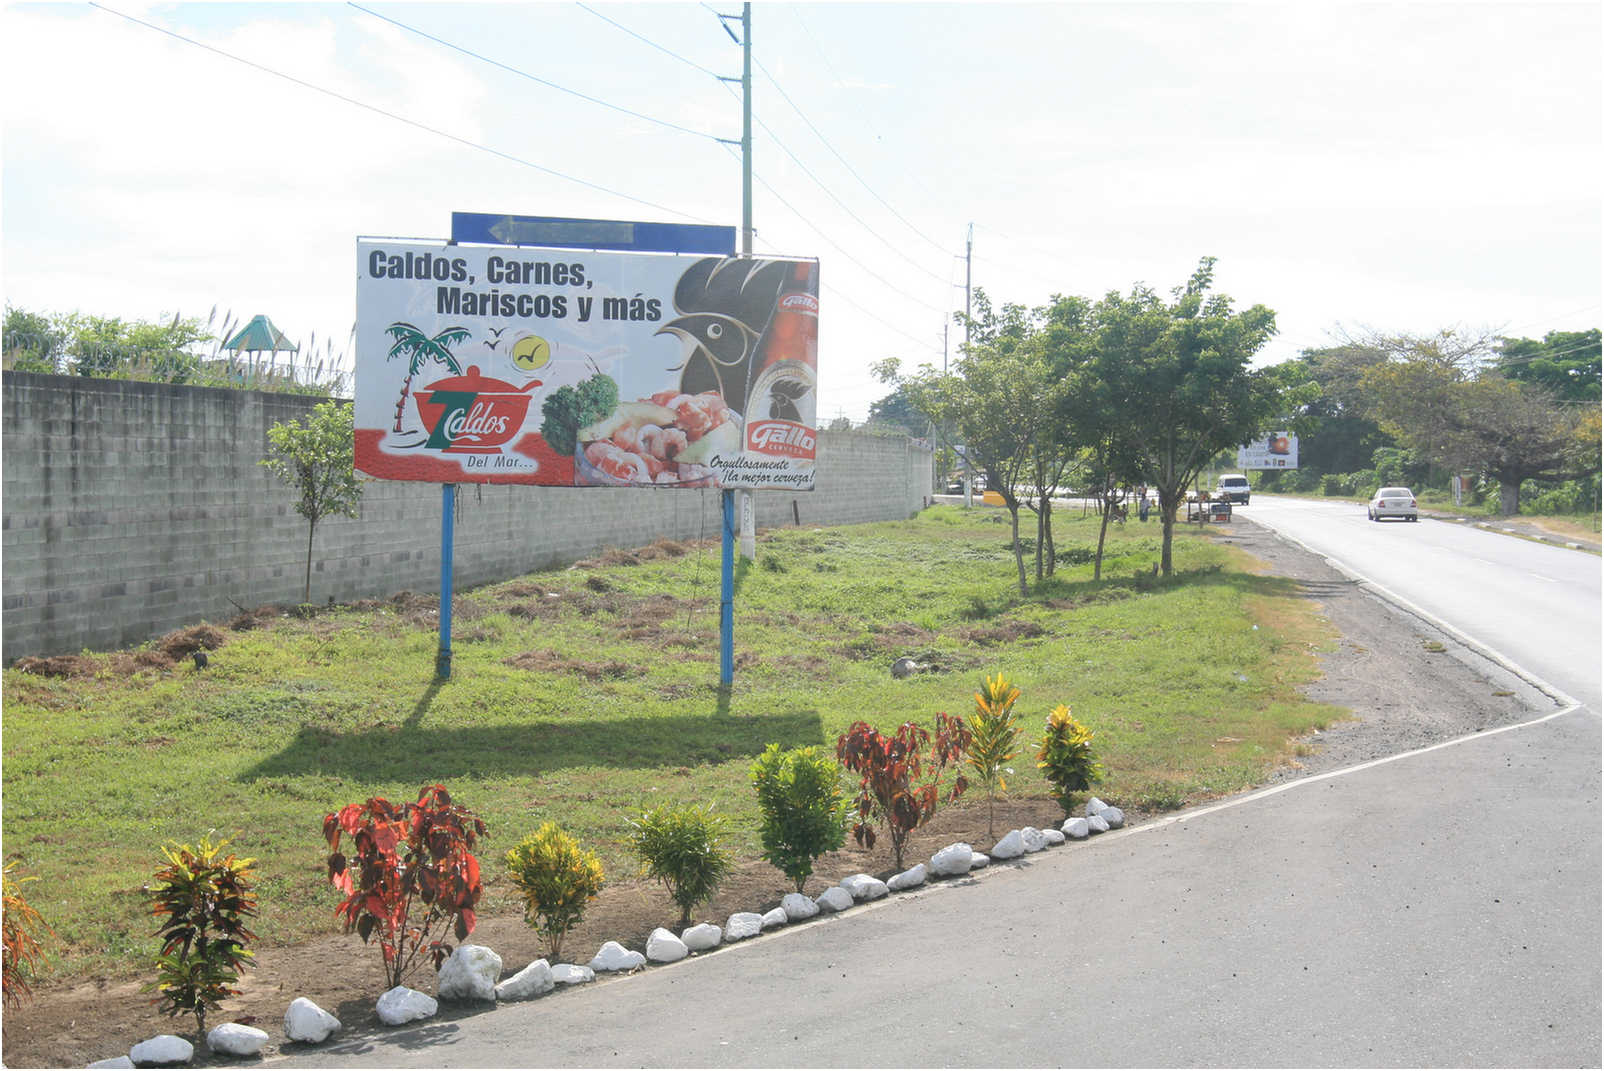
1277, 450
559, 367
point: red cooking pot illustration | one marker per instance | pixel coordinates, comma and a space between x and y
472, 414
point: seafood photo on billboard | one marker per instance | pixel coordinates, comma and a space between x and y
669, 439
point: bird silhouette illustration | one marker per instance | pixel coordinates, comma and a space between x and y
497, 332
725, 304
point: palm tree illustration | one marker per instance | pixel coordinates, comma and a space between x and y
420, 349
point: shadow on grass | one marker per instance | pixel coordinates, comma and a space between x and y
410, 753
1142, 582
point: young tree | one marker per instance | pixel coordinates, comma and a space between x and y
1178, 374
317, 459
1001, 401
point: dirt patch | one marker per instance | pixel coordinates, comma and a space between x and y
663, 548
1007, 630
552, 662
1405, 696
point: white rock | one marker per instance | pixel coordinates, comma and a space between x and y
951, 860
469, 973
1076, 829
1033, 839
1053, 837
532, 981
663, 947
402, 1005
798, 907
703, 937
1012, 846
115, 1061
978, 860
835, 898
1097, 823
908, 879
1114, 817
743, 924
615, 957
572, 974
236, 1039
305, 1021
1095, 806
162, 1049
776, 918
865, 887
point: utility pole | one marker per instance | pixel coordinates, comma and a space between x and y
747, 510
969, 250
728, 511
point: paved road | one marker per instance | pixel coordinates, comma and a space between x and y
1536, 604
1442, 908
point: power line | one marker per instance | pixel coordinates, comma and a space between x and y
861, 266
829, 193
534, 78
649, 41
871, 314
826, 143
398, 118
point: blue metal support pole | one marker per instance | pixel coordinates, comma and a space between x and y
448, 503
726, 608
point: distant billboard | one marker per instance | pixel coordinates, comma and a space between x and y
1277, 450
560, 367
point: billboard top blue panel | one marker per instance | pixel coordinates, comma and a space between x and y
499, 229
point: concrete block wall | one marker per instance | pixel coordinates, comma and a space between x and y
130, 509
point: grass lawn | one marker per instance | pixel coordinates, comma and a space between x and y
581, 695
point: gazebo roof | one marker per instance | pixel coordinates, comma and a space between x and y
260, 334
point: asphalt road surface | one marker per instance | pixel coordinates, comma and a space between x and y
1536, 604
1439, 908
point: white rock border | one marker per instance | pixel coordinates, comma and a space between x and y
305, 1022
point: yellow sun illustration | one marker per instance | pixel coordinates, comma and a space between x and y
530, 353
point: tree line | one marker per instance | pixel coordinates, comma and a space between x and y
1141, 388
183, 350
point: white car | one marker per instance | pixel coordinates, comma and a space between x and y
1393, 502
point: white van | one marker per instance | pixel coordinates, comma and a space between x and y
1233, 486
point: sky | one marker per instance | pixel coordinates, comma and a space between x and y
1393, 167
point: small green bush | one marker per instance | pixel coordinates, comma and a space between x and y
679, 846
556, 878
1065, 757
203, 899
805, 811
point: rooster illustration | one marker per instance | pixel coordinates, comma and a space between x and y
724, 304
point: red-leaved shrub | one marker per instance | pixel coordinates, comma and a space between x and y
900, 775
415, 853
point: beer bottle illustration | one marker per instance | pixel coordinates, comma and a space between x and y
787, 379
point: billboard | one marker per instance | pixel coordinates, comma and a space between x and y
583, 368
1277, 450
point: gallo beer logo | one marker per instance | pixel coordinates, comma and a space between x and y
780, 438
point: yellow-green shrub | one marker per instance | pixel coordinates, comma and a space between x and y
556, 878
1066, 758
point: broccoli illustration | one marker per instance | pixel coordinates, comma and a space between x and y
567, 409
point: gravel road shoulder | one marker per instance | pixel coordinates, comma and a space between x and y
1408, 683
